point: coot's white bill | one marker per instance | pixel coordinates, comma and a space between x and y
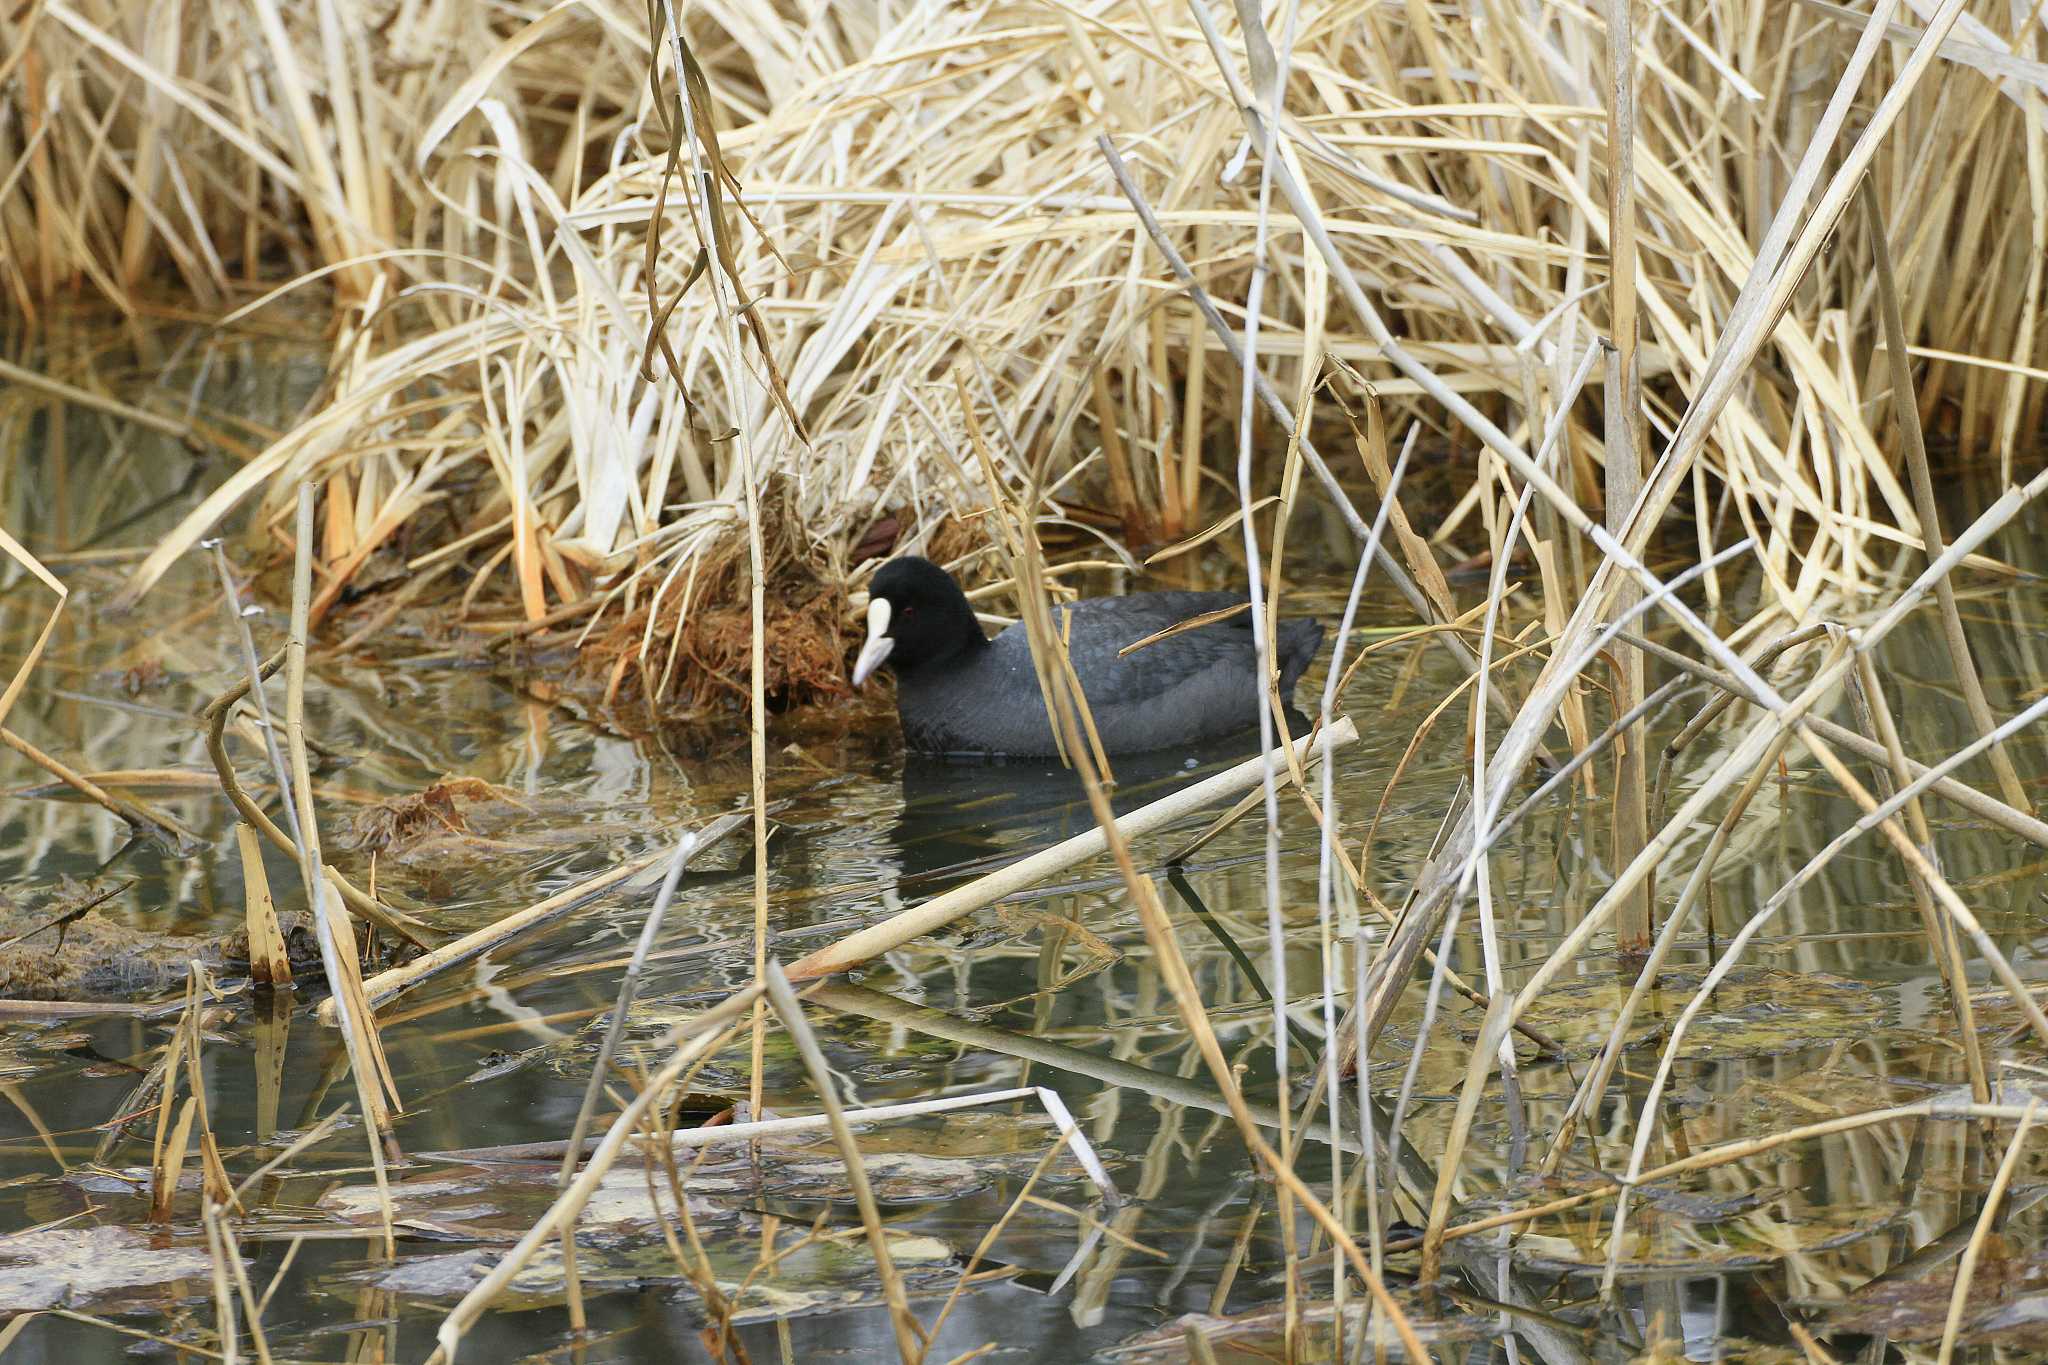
879, 641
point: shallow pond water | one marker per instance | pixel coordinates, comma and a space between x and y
1835, 1012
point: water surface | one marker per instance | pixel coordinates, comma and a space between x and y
1836, 1010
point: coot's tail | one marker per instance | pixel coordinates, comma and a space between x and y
1299, 642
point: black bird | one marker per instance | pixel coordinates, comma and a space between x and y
959, 692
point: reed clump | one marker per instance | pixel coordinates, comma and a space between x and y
528, 343
223, 148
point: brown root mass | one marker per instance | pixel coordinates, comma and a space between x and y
697, 660
403, 821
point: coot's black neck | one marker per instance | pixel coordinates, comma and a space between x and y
952, 644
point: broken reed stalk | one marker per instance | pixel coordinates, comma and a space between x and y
943, 909
600, 1070
131, 809
167, 1147
691, 1041
360, 902
1906, 413
1370, 443
386, 985
269, 963
376, 1091
181, 1057
1987, 1219
252, 667
167, 1165
1624, 466
911, 1341
213, 1174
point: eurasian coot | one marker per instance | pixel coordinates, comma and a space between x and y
959, 692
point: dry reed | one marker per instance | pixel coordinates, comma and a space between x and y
494, 219
990, 260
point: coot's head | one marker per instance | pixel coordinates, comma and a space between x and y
917, 618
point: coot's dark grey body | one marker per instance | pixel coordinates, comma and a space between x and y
958, 692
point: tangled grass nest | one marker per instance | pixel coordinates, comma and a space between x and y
688, 652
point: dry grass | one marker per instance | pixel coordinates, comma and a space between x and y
639, 368
940, 202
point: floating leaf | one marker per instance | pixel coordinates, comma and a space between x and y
69, 1266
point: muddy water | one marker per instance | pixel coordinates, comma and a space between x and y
1835, 1012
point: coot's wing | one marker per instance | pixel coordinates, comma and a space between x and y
1103, 626
1199, 684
